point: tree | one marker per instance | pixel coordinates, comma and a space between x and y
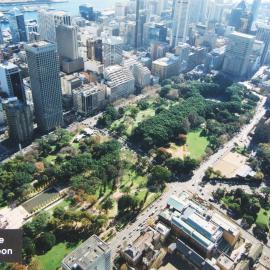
45, 242
260, 233
107, 204
29, 248
37, 225
127, 202
159, 176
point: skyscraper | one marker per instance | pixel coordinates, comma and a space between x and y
112, 51
255, 8
67, 44
17, 27
237, 54
1, 35
197, 11
180, 21
48, 21
43, 65
263, 34
94, 49
19, 119
88, 13
11, 81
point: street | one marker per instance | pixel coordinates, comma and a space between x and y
132, 231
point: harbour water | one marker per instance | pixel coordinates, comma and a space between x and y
72, 6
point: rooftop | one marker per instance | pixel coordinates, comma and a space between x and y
86, 253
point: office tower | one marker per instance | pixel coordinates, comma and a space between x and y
92, 254
19, 120
48, 21
43, 67
17, 28
237, 14
94, 49
255, 8
89, 98
180, 21
142, 21
166, 67
263, 34
112, 51
137, 24
1, 35
88, 13
153, 32
141, 73
237, 54
11, 81
197, 11
120, 80
120, 9
158, 49
67, 47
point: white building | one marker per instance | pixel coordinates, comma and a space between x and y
112, 51
67, 44
93, 254
237, 54
180, 22
48, 21
141, 73
120, 80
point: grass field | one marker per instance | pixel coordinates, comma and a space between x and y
196, 144
131, 123
52, 259
263, 217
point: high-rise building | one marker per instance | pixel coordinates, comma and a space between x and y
93, 254
255, 8
263, 34
67, 44
94, 49
89, 98
153, 32
120, 9
17, 28
48, 21
237, 54
112, 51
166, 67
141, 73
1, 35
180, 21
120, 80
11, 81
20, 120
197, 11
88, 13
44, 71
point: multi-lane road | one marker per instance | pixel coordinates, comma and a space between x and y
132, 231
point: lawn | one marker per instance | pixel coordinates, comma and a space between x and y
52, 259
131, 123
263, 217
63, 204
196, 144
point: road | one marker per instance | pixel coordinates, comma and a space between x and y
132, 231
